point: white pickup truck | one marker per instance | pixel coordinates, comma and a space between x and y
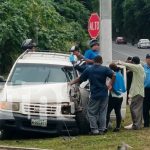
36, 96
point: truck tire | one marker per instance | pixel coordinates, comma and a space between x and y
82, 122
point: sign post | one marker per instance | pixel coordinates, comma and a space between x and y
106, 31
94, 25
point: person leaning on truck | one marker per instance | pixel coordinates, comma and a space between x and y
97, 106
136, 91
77, 59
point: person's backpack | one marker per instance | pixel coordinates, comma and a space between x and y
119, 84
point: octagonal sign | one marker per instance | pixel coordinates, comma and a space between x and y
94, 25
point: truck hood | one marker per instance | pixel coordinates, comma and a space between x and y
41, 93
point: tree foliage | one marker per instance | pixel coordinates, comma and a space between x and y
91, 5
131, 18
73, 11
41, 21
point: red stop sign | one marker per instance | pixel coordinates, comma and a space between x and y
93, 25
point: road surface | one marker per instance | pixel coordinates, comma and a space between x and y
121, 52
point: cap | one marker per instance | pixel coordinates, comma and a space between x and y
136, 60
147, 56
74, 48
93, 42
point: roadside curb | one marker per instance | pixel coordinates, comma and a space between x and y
19, 148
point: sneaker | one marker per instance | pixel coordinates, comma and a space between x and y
94, 132
116, 130
129, 127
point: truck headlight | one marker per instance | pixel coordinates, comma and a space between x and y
14, 106
65, 109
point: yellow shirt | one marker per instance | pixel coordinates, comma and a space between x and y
137, 85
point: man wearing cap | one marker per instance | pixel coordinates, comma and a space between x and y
136, 92
93, 52
146, 103
75, 51
77, 59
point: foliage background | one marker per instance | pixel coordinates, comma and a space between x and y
131, 18
53, 24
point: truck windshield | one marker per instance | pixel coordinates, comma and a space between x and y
40, 73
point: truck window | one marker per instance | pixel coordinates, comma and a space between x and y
40, 73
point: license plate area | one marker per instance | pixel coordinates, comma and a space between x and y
39, 122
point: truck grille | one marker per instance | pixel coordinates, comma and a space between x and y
39, 109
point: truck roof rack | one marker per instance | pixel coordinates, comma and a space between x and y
43, 53
53, 51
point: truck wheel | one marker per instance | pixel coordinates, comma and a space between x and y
82, 122
4, 134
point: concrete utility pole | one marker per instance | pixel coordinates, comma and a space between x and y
106, 30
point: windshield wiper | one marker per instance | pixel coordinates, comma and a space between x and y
46, 79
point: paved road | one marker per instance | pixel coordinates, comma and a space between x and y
121, 52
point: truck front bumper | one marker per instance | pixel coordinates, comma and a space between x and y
24, 123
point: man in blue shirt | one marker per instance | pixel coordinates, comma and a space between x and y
146, 102
97, 106
90, 54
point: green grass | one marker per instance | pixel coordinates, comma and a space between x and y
139, 140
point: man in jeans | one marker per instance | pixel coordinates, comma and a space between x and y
136, 92
97, 106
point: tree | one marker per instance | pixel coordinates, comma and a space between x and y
36, 19
91, 5
73, 10
136, 19
118, 17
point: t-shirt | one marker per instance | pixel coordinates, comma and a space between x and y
118, 85
90, 54
97, 74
